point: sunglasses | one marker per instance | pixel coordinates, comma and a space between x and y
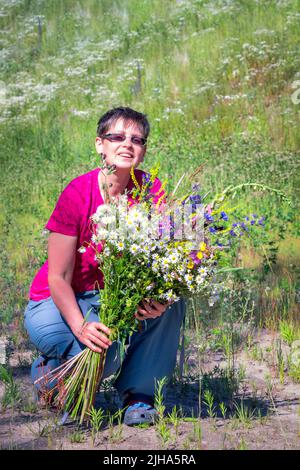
135, 140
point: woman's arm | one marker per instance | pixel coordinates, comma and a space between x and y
61, 260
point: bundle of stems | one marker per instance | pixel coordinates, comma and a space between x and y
76, 382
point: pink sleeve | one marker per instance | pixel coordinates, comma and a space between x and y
65, 218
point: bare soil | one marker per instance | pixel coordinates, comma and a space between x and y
274, 404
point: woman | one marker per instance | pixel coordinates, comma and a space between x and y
66, 289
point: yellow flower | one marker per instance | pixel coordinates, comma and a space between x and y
199, 255
190, 264
202, 246
134, 178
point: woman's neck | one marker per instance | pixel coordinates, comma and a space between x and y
112, 184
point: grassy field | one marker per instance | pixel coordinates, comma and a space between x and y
217, 80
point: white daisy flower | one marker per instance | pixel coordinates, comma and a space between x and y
173, 257
169, 295
192, 287
108, 219
113, 236
105, 210
101, 234
188, 278
199, 279
165, 264
203, 271
120, 245
134, 249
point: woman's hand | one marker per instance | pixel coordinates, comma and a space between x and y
89, 334
151, 309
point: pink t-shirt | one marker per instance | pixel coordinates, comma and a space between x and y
71, 216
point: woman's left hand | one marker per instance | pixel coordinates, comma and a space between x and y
151, 309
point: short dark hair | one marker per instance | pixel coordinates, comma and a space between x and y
127, 114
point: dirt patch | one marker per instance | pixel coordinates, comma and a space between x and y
254, 408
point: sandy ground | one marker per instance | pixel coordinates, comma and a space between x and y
275, 423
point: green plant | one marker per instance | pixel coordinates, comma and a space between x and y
163, 432
242, 445
96, 420
41, 428
256, 353
294, 361
143, 426
197, 433
280, 363
29, 406
159, 397
288, 331
209, 402
294, 373
174, 419
223, 409
262, 419
244, 414
77, 436
161, 425
115, 432
12, 394
187, 445
223, 383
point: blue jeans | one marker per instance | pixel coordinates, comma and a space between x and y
150, 355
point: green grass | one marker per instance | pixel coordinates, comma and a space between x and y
214, 78
12, 394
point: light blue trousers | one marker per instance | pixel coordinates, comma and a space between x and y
150, 356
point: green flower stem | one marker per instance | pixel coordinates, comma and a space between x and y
233, 189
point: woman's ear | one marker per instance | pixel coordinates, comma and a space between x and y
98, 145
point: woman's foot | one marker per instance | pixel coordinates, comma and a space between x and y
140, 413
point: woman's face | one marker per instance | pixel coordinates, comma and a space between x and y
123, 154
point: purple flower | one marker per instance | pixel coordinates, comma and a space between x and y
234, 225
224, 216
232, 233
194, 257
208, 217
253, 222
212, 229
196, 199
146, 178
247, 218
254, 216
244, 226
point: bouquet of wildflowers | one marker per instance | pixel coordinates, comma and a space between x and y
146, 250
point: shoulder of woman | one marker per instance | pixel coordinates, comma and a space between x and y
82, 183
84, 178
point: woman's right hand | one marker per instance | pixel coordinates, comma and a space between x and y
91, 335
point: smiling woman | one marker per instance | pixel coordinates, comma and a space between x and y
122, 148
62, 315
